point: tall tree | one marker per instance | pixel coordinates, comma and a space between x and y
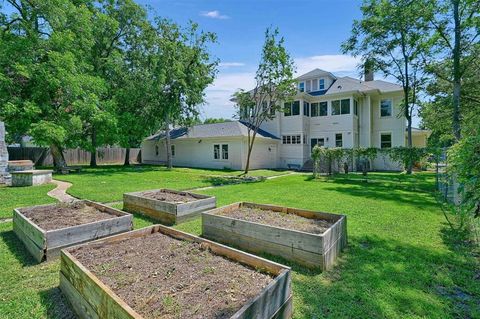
457, 37
45, 80
390, 37
184, 68
274, 85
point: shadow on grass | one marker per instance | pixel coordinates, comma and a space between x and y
17, 248
56, 304
384, 278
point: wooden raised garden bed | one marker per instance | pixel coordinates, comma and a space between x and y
313, 239
160, 272
46, 229
168, 206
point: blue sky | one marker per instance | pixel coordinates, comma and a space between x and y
313, 32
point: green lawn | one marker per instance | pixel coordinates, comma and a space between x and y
108, 183
402, 260
13, 197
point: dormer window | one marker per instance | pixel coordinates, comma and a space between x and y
315, 85
301, 86
309, 86
321, 84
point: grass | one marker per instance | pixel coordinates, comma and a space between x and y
402, 261
108, 183
13, 197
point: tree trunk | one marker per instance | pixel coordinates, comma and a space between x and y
168, 143
457, 85
251, 141
58, 158
93, 153
127, 157
409, 142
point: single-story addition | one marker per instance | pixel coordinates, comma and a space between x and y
218, 145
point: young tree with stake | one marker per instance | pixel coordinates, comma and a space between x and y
274, 85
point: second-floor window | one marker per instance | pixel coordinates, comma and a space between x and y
341, 107
291, 108
301, 86
321, 84
319, 109
306, 108
385, 108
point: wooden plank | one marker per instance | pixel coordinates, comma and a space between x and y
286, 311
196, 206
286, 237
79, 305
253, 245
35, 233
101, 298
37, 253
162, 217
68, 236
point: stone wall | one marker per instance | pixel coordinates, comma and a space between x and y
4, 176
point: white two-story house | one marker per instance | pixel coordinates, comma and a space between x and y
327, 110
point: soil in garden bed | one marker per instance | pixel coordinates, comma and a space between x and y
169, 197
64, 215
279, 219
162, 277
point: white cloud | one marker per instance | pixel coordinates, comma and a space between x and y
215, 14
226, 65
344, 64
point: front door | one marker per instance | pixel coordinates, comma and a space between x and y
316, 141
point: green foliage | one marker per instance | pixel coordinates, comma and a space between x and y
215, 120
407, 156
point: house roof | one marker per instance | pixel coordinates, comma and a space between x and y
315, 73
225, 129
348, 84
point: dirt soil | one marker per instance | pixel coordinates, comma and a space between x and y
278, 219
64, 215
169, 197
162, 277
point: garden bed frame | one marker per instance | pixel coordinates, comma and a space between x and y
167, 213
311, 250
91, 298
46, 244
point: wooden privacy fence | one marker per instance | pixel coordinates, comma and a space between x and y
41, 156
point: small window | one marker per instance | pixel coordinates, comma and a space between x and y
305, 139
314, 111
345, 106
321, 84
355, 107
296, 108
323, 109
309, 86
224, 151
339, 140
216, 151
336, 107
301, 86
287, 109
385, 108
298, 139
386, 140
315, 85
156, 150
172, 148
289, 140
306, 108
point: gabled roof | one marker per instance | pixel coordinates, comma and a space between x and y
225, 129
348, 84
315, 73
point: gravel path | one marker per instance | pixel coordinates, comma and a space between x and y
60, 192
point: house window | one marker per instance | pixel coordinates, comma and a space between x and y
316, 141
156, 150
355, 107
301, 86
321, 83
339, 140
292, 139
272, 110
314, 111
216, 151
309, 86
292, 108
224, 151
315, 85
172, 148
319, 109
306, 108
341, 107
385, 140
385, 108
